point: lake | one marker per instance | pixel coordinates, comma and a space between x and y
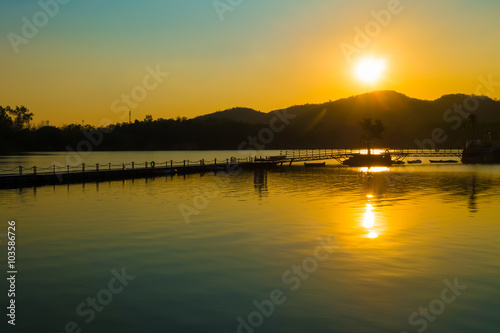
293, 249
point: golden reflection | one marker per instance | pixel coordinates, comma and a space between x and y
374, 169
369, 218
374, 151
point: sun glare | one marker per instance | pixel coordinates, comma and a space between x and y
373, 169
370, 70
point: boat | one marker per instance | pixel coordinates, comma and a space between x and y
443, 161
368, 160
414, 161
397, 162
314, 164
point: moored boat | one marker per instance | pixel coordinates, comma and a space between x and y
314, 164
443, 161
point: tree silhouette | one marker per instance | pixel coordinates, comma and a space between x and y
22, 117
371, 132
5, 120
473, 122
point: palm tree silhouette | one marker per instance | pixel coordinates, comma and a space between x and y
371, 132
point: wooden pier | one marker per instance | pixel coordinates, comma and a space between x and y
54, 175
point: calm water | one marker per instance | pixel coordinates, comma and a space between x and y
338, 249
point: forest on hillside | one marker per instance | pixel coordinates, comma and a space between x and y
409, 123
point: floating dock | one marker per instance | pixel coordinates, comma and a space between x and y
20, 176
29, 177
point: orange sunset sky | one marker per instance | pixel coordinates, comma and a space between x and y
69, 61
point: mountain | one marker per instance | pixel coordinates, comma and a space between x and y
238, 114
408, 121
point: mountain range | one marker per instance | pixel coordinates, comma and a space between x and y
407, 120
409, 123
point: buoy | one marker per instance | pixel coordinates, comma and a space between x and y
153, 164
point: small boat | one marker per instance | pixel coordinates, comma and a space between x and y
414, 161
314, 164
443, 161
397, 162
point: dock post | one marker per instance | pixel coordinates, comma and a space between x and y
67, 168
20, 170
34, 170
83, 167
54, 169
133, 163
171, 163
215, 161
146, 164
109, 167
123, 166
97, 167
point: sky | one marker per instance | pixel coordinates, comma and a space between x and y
70, 61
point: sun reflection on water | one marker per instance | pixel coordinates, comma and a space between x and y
369, 218
374, 169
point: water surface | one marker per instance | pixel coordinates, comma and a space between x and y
394, 237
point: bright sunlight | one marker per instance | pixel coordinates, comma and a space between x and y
370, 70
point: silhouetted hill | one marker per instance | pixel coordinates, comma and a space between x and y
334, 124
406, 120
245, 115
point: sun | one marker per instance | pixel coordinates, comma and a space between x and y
370, 70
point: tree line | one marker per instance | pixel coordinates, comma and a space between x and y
406, 122
17, 134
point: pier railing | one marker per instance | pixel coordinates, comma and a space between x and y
333, 153
87, 167
285, 156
